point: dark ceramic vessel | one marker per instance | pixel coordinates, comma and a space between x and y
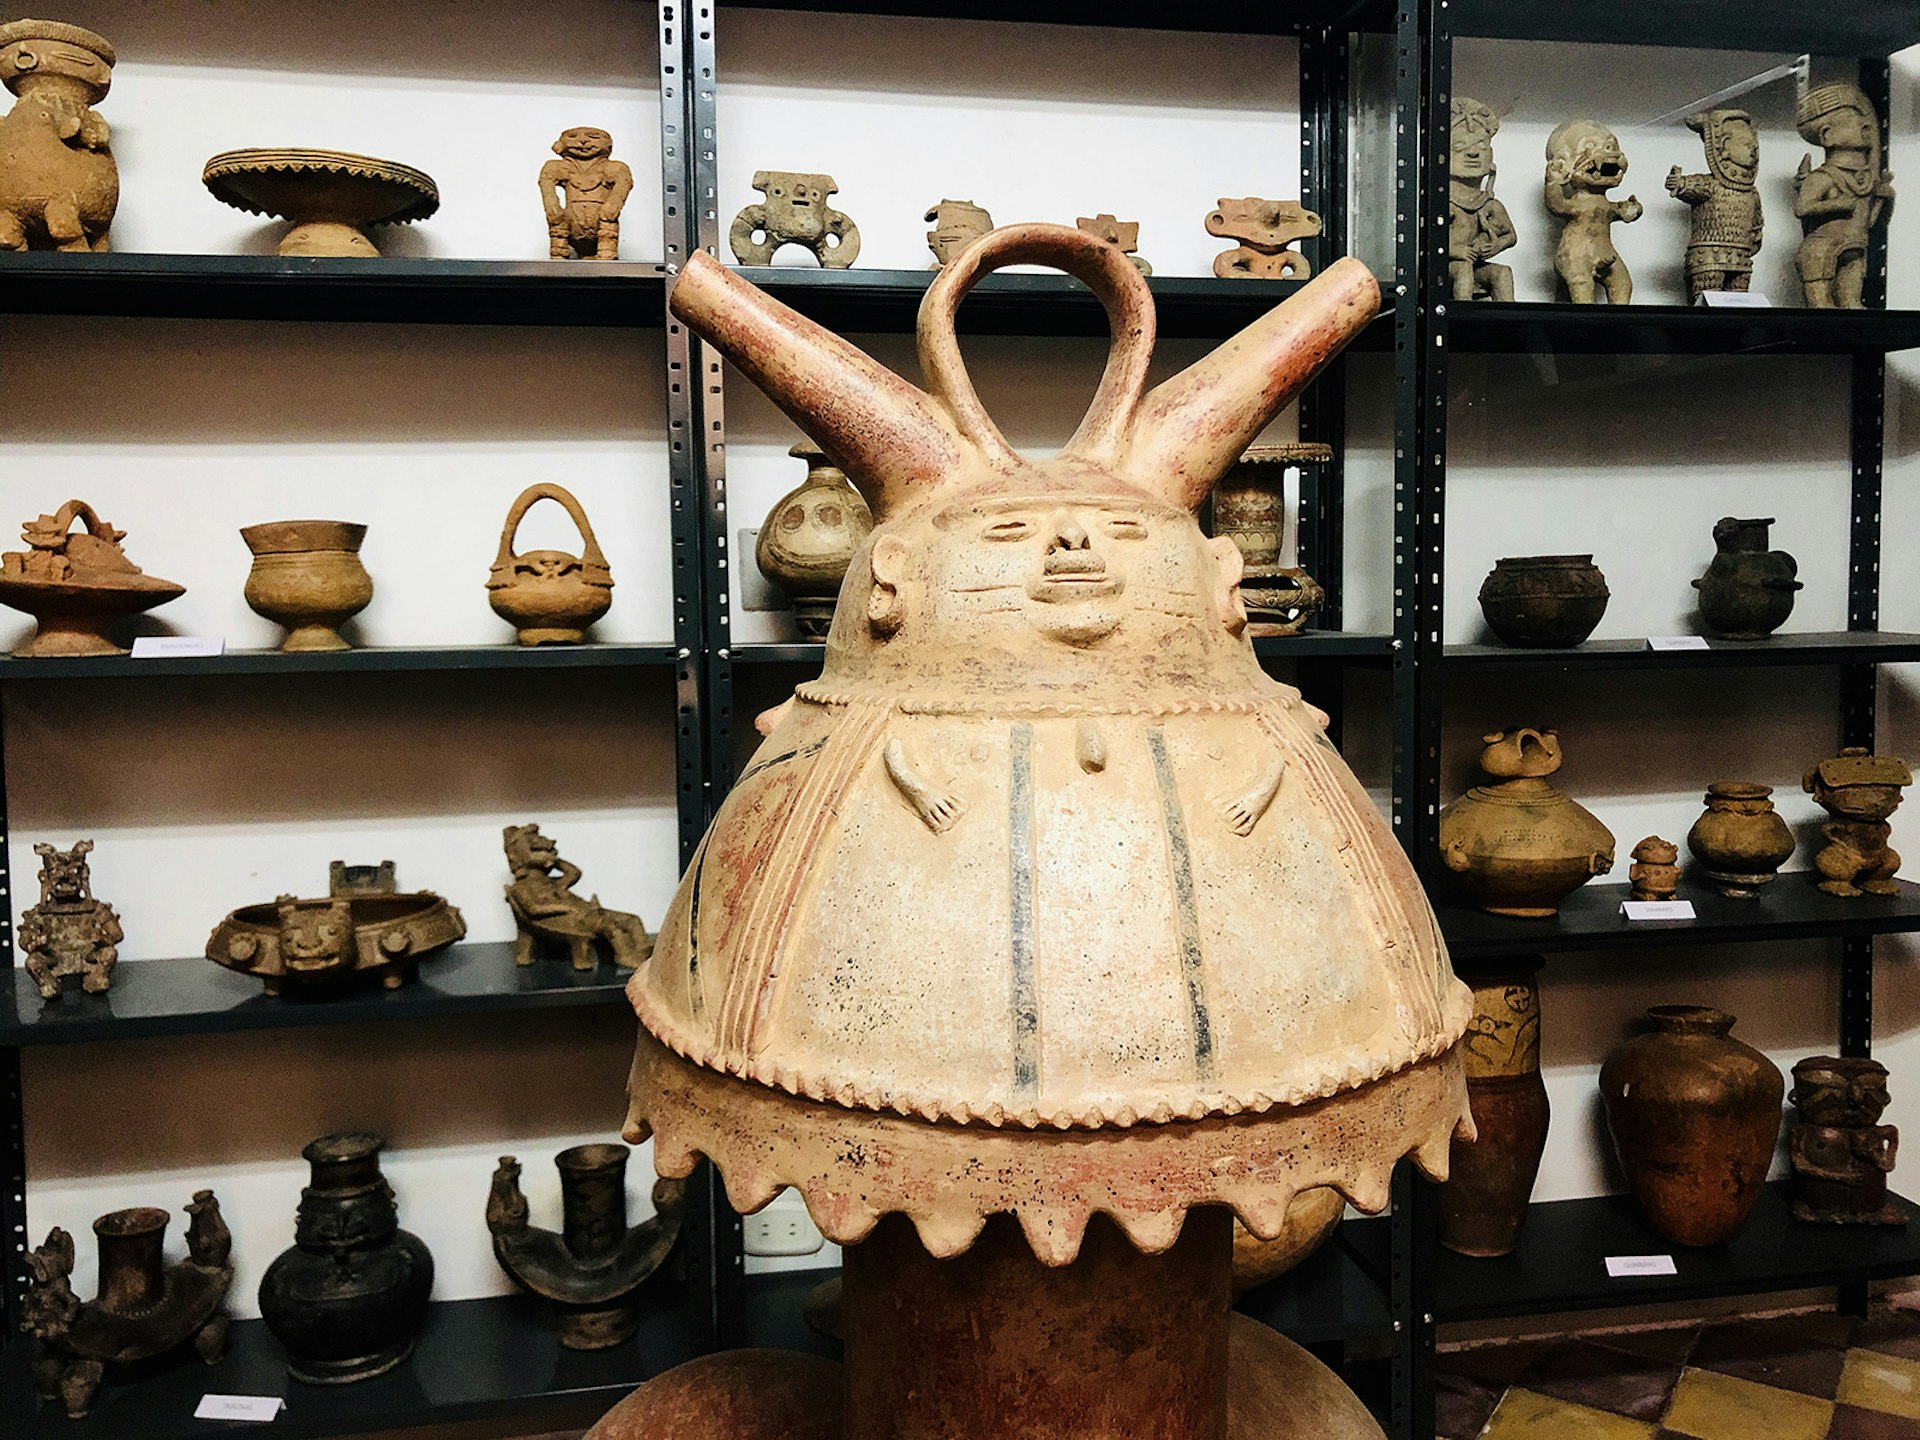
1549, 601
349, 1298
1484, 1202
1747, 592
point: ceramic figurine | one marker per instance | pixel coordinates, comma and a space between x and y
1747, 592
1124, 234
1519, 846
1490, 1183
583, 192
1842, 199
69, 932
1654, 874
795, 212
332, 198
1859, 791
76, 585
1479, 225
1727, 216
1584, 162
143, 1308
1547, 601
1741, 841
594, 1265
955, 223
1267, 231
549, 596
350, 1296
1250, 509
810, 537
546, 909
308, 577
59, 186
977, 954
1694, 1115
1841, 1153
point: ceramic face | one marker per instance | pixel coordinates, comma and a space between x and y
797, 205
1599, 164
584, 142
1740, 144
1845, 129
1472, 151
314, 937
63, 875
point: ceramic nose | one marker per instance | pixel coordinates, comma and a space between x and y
1068, 534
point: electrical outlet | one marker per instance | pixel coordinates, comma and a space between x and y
783, 1228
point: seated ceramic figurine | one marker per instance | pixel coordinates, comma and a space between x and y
69, 932
1859, 791
545, 907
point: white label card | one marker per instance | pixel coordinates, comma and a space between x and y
1735, 300
1620, 1266
1677, 642
239, 1407
154, 647
1657, 910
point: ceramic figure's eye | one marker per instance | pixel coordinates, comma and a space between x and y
1008, 527
1126, 527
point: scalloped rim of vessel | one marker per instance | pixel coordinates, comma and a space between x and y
296, 159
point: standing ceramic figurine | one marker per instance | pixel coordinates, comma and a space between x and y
1859, 791
1481, 227
1841, 199
583, 192
1841, 1153
1584, 162
1747, 592
69, 932
795, 212
1654, 874
546, 909
1726, 205
59, 186
956, 223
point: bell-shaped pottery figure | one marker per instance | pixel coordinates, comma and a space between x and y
583, 192
69, 932
59, 186
1860, 791
1584, 162
546, 909
1479, 225
1840, 200
795, 212
1726, 203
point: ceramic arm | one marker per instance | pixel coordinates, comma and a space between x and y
1243, 811
552, 179
617, 192
938, 809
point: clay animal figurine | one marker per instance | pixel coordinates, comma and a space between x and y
583, 192
955, 223
546, 909
1122, 233
1840, 200
69, 932
1727, 219
1584, 162
1480, 227
1655, 873
795, 212
76, 585
1841, 1153
59, 186
550, 597
1747, 592
1859, 790
1267, 231
144, 1307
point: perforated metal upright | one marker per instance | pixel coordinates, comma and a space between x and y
13, 1122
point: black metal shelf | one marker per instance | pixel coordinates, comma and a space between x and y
1866, 27
1791, 908
1829, 647
1234, 17
1530, 327
197, 997
388, 659
388, 291
476, 1359
1560, 1264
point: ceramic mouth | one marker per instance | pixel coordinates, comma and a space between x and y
1069, 576
1609, 171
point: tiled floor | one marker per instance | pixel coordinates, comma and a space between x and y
1803, 1377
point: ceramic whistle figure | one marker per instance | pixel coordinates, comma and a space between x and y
1268, 231
1840, 1151
583, 192
1727, 220
1584, 162
1654, 873
955, 223
1123, 234
1481, 228
546, 909
59, 186
69, 932
1840, 200
1859, 790
977, 953
795, 212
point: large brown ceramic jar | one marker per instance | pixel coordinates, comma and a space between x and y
1551, 601
810, 537
1484, 1202
1695, 1115
1519, 846
308, 577
1741, 841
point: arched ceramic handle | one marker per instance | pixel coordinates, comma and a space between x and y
591, 557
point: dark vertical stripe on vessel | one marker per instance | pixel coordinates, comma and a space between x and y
1186, 908
696, 1000
1025, 999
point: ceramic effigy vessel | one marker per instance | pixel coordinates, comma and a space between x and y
1041, 783
307, 576
550, 597
1840, 1151
69, 932
1654, 875
331, 197
1519, 846
810, 538
1860, 791
1740, 842
59, 186
956, 223
1490, 1184
1747, 592
76, 583
1550, 601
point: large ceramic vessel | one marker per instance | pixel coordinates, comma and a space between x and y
1549, 601
1484, 1202
1519, 846
1747, 592
1740, 842
59, 186
1694, 1115
979, 953
810, 537
333, 198
308, 577
349, 1297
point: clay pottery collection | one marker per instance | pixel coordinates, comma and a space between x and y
1518, 846
350, 1296
1747, 592
1694, 1115
307, 576
810, 537
1548, 602
1484, 1202
59, 186
1740, 842
550, 597
77, 584
331, 197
